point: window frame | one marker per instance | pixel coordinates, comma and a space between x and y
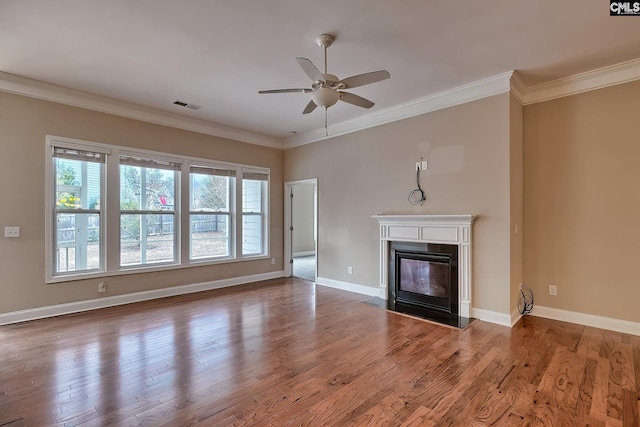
194, 167
264, 209
111, 213
52, 211
137, 159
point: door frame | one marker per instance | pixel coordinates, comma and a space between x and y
288, 250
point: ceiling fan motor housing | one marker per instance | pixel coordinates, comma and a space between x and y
325, 97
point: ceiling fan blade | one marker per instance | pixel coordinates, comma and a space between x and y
310, 69
356, 100
301, 90
310, 107
366, 78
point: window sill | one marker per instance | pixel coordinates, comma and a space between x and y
150, 269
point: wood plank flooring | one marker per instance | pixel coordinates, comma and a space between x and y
287, 353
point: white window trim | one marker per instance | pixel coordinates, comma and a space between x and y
233, 220
265, 214
110, 203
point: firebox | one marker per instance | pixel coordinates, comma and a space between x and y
423, 280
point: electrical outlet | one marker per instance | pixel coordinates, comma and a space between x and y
273, 261
102, 286
424, 165
553, 290
417, 166
350, 270
12, 232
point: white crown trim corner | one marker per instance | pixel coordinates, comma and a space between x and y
346, 286
484, 88
608, 323
40, 90
518, 88
93, 304
623, 72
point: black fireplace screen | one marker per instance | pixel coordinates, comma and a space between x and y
425, 277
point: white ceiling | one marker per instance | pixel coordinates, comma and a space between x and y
218, 54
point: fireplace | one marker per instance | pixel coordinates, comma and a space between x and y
425, 266
424, 276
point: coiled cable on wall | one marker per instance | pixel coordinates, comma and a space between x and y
417, 196
525, 304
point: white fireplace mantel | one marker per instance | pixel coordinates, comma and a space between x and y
446, 229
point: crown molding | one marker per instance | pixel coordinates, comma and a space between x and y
484, 88
518, 88
19, 85
506, 82
612, 75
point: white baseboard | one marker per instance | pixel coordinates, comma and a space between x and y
515, 316
307, 253
616, 325
346, 286
92, 304
478, 313
491, 316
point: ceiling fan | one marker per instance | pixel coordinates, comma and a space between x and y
327, 89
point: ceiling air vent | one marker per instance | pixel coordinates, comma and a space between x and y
186, 105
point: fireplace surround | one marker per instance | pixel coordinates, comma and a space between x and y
417, 235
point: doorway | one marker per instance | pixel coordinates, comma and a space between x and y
301, 225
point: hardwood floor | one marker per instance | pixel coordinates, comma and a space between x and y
285, 353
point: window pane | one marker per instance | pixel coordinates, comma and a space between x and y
253, 193
76, 237
146, 239
209, 193
78, 184
251, 234
77, 246
210, 236
146, 188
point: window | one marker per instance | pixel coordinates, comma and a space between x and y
78, 216
254, 190
147, 211
115, 210
210, 211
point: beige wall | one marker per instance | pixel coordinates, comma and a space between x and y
302, 218
582, 200
516, 151
373, 171
572, 191
24, 122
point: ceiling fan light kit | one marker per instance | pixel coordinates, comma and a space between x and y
327, 89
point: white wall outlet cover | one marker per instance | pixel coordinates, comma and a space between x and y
12, 232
